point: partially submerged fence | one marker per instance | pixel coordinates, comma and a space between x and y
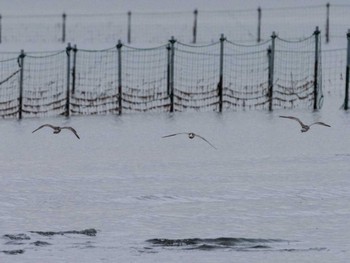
173, 77
198, 26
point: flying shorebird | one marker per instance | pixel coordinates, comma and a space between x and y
57, 129
191, 135
304, 127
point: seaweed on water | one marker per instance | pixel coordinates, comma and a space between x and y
87, 232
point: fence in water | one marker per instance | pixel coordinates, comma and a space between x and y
241, 26
173, 77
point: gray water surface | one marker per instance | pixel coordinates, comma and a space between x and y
123, 194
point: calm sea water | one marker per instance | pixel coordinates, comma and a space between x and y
123, 194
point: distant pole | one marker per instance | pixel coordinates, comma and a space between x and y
120, 93
20, 98
327, 23
168, 69
317, 35
67, 110
0, 28
129, 27
259, 24
347, 76
75, 50
64, 27
271, 56
172, 56
220, 84
195, 12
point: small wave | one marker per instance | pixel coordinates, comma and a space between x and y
22, 240
17, 237
214, 243
87, 232
40, 243
13, 252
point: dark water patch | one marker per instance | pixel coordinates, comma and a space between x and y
226, 244
260, 247
17, 237
13, 252
87, 232
303, 250
40, 243
214, 243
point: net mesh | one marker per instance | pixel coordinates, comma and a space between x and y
245, 76
44, 84
95, 90
196, 76
9, 91
294, 73
144, 79
333, 68
147, 78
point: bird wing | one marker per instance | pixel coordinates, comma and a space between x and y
293, 118
72, 130
206, 141
321, 123
170, 135
45, 125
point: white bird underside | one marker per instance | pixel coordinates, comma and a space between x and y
191, 135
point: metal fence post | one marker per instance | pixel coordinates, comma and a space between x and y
120, 92
259, 24
20, 61
67, 109
327, 23
129, 27
316, 73
347, 74
220, 84
64, 27
172, 66
75, 50
168, 69
0, 28
271, 58
195, 12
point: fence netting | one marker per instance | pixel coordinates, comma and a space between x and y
333, 72
246, 76
9, 89
295, 79
144, 79
44, 84
94, 82
172, 77
196, 76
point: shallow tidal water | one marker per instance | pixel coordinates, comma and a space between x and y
122, 193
